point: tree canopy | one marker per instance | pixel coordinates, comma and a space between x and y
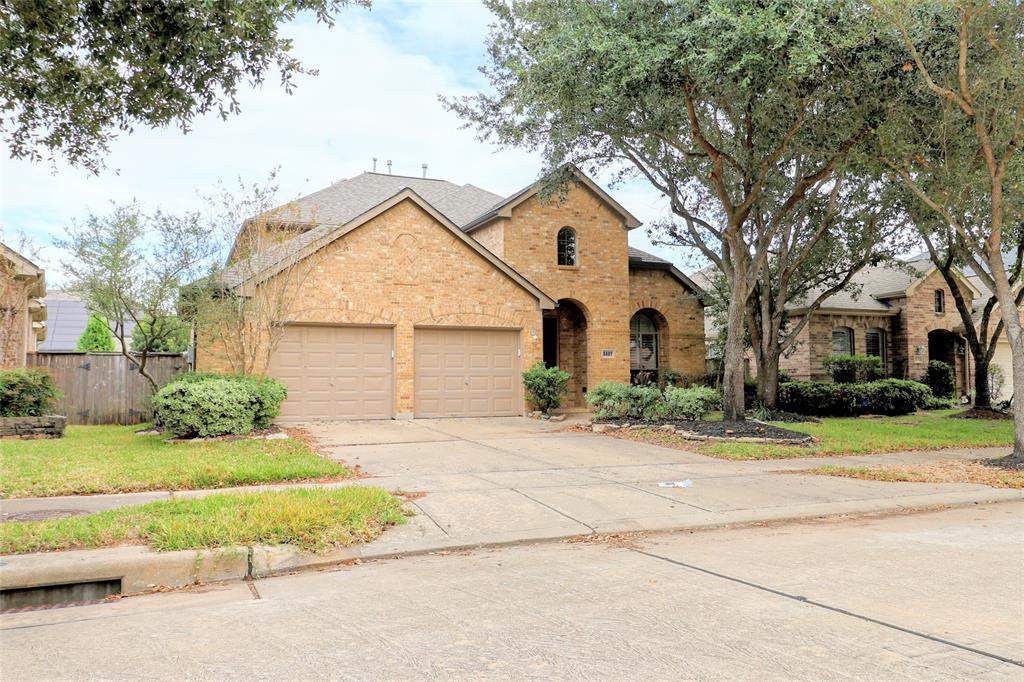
75, 72
740, 112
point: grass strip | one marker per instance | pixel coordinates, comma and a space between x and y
313, 519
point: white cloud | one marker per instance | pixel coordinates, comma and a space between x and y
380, 73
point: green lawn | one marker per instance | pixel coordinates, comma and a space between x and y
312, 519
855, 436
111, 459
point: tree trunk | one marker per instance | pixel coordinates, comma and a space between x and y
768, 379
732, 379
1015, 335
982, 395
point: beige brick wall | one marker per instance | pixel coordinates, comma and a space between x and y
403, 269
918, 317
814, 343
15, 325
682, 343
599, 283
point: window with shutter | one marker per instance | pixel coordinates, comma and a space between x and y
842, 341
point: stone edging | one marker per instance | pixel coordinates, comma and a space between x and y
49, 426
690, 435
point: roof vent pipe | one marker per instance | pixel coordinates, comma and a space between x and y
424, 170
375, 164
389, 166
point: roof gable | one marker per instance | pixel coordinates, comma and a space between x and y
641, 260
504, 208
271, 263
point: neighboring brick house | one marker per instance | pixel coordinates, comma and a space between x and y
426, 298
22, 312
906, 315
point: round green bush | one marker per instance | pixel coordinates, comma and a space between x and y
267, 393
215, 407
27, 392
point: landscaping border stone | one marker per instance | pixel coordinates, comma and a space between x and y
49, 426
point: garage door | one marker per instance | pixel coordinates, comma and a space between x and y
467, 373
335, 372
1004, 359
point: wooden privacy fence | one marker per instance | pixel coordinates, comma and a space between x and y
105, 388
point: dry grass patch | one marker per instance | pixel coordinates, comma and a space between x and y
312, 519
995, 473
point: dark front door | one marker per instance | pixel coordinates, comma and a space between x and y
550, 341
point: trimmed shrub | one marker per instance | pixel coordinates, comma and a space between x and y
895, 396
27, 392
829, 399
267, 394
214, 407
691, 403
613, 400
820, 398
96, 337
545, 386
854, 369
939, 378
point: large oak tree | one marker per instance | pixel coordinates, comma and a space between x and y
737, 111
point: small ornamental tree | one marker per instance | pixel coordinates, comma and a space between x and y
162, 335
545, 386
96, 338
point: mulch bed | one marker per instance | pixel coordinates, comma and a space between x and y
983, 413
719, 430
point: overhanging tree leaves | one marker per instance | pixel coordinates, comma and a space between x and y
737, 111
76, 71
955, 133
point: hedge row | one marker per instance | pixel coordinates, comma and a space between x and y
828, 399
204, 404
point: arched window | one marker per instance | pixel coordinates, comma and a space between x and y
874, 344
643, 343
567, 246
842, 341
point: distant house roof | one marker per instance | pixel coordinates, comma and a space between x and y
68, 316
641, 260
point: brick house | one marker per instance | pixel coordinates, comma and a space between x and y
906, 315
22, 312
426, 298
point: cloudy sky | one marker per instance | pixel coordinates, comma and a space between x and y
376, 95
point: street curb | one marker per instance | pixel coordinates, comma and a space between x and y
141, 569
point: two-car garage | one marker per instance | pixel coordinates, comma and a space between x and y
349, 372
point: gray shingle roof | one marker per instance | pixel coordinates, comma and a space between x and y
868, 291
346, 199
338, 204
638, 257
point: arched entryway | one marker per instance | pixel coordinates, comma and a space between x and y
942, 346
945, 346
648, 345
565, 345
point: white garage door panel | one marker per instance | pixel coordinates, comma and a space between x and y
467, 373
1004, 359
335, 372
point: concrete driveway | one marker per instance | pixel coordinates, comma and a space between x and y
514, 479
